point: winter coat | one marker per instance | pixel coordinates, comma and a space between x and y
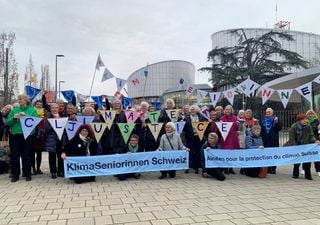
76, 147
253, 141
301, 137
232, 141
175, 141
271, 139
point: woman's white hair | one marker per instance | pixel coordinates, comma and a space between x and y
144, 103
195, 107
171, 124
170, 100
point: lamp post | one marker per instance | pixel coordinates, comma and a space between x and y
60, 81
56, 78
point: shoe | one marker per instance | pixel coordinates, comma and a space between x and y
272, 172
318, 174
172, 175
162, 177
302, 172
78, 181
53, 175
205, 175
60, 175
28, 178
196, 171
241, 171
23, 175
309, 178
186, 171
14, 179
295, 177
231, 171
226, 171
39, 171
34, 172
137, 175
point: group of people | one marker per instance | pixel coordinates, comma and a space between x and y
246, 132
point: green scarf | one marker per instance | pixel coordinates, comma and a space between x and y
309, 121
133, 148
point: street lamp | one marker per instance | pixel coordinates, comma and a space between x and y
56, 78
60, 81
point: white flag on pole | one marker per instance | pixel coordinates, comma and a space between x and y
99, 63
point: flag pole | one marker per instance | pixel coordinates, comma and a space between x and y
94, 74
146, 71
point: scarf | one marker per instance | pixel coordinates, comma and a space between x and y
300, 130
83, 138
310, 120
267, 123
133, 149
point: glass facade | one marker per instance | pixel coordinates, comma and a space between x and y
305, 44
160, 77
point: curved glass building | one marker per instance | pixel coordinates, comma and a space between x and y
149, 82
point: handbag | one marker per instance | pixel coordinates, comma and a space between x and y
4, 149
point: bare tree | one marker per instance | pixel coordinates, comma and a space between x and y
8, 68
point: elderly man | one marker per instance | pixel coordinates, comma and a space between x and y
270, 128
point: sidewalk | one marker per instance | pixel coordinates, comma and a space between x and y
187, 199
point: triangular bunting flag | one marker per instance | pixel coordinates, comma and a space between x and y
248, 86
200, 127
106, 75
108, 116
132, 116
317, 79
85, 119
98, 129
126, 102
214, 96
97, 100
28, 123
154, 116
68, 95
201, 95
32, 92
71, 128
266, 93
189, 90
179, 126
155, 129
58, 125
284, 95
204, 111
229, 94
120, 83
224, 128
126, 130
81, 97
306, 91
173, 114
99, 63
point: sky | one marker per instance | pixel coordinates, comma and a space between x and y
128, 34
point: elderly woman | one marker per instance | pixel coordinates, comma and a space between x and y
192, 137
300, 133
232, 141
168, 142
313, 121
21, 147
211, 143
82, 144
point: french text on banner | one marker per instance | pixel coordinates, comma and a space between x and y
280, 156
125, 163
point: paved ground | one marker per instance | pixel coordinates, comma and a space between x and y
187, 199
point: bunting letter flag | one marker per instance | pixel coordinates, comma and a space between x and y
132, 116
97, 100
200, 127
266, 93
229, 94
71, 128
155, 129
306, 91
189, 90
154, 116
120, 83
248, 86
201, 95
81, 97
317, 79
224, 128
173, 114
106, 75
98, 129
214, 96
109, 116
58, 125
28, 123
284, 95
32, 92
99, 63
126, 130
68, 95
179, 126
85, 119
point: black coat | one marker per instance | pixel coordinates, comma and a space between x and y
271, 139
76, 147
